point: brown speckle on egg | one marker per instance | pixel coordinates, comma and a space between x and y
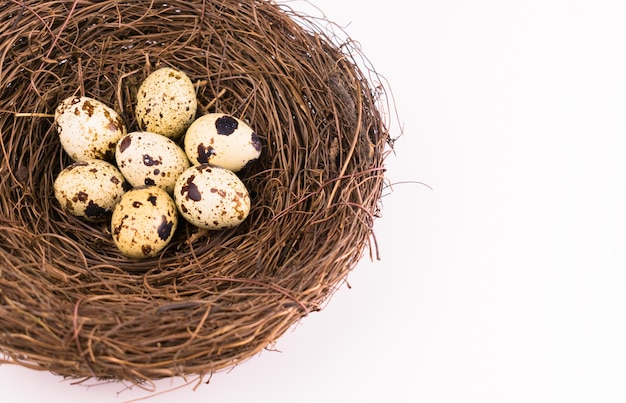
150, 161
96, 212
190, 190
204, 153
112, 126
256, 142
226, 125
220, 192
124, 143
165, 229
89, 108
77, 164
82, 196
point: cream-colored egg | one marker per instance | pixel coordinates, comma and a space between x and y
90, 189
211, 197
144, 222
222, 140
147, 158
166, 103
87, 128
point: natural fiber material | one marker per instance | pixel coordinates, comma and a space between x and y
69, 302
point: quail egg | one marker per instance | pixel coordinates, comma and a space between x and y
166, 103
88, 128
211, 197
222, 140
147, 158
90, 189
144, 222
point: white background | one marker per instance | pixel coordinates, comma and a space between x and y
505, 282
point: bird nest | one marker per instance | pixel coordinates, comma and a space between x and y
70, 303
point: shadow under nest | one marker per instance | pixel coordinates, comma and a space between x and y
69, 302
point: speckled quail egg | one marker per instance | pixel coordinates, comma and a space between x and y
147, 158
166, 103
211, 197
90, 189
88, 128
222, 140
144, 222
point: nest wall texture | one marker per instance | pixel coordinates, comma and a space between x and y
69, 302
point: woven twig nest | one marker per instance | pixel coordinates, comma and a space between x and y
70, 303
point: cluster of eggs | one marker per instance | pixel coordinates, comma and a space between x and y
175, 164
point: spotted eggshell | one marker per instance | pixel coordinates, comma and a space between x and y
88, 128
222, 140
211, 197
90, 189
146, 158
143, 222
166, 103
